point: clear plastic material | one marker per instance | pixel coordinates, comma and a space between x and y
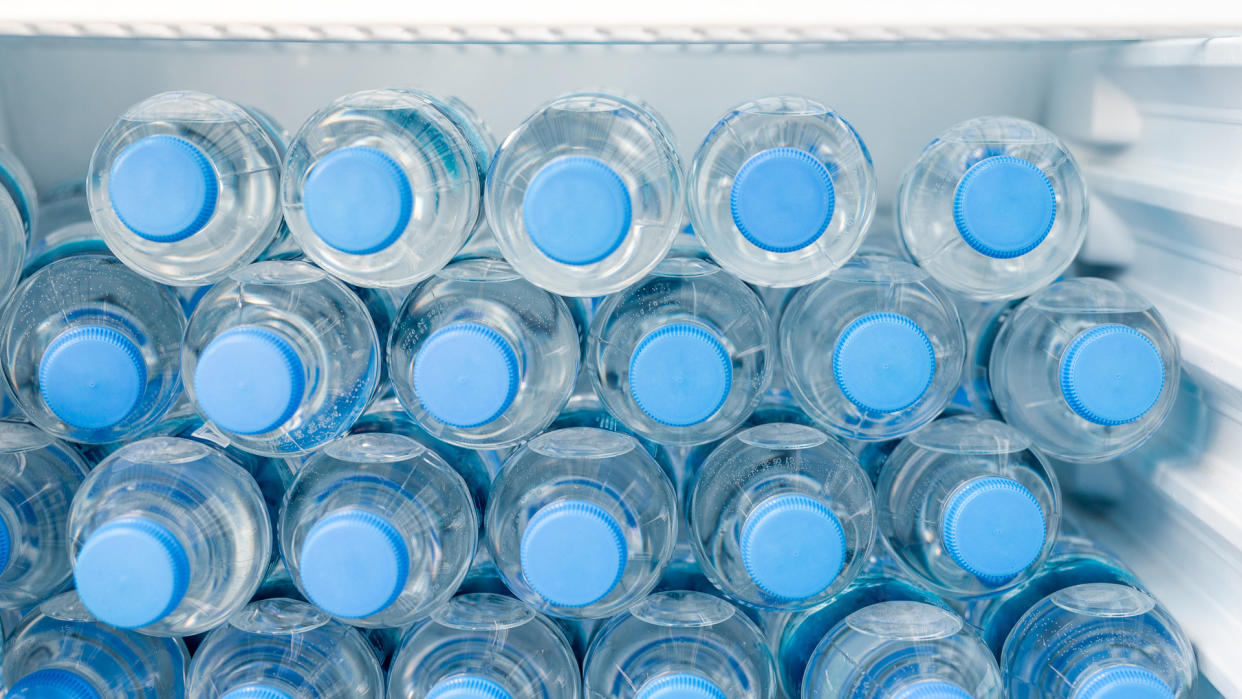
482, 358
581, 522
782, 191
874, 351
65, 228
281, 358
969, 506
18, 209
169, 536
90, 349
902, 650
484, 646
38, 477
1098, 640
683, 356
377, 529
284, 649
382, 187
585, 196
184, 187
781, 516
688, 642
1087, 368
994, 208
982, 321
62, 652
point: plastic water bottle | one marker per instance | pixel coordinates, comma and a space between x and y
1087, 368
896, 349
585, 196
90, 349
284, 649
995, 208
484, 646
281, 358
38, 477
184, 187
782, 191
680, 645
62, 652
169, 536
482, 358
581, 522
781, 516
65, 228
383, 187
982, 321
1096, 641
683, 356
377, 529
969, 506
18, 209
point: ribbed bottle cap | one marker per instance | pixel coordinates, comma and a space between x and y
468, 687
930, 689
1111, 374
249, 380
357, 200
573, 553
1004, 207
92, 377
465, 375
680, 374
163, 188
883, 362
680, 685
993, 528
576, 210
353, 564
782, 199
1123, 682
53, 683
793, 546
256, 691
131, 572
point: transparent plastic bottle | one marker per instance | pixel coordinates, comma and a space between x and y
65, 228
585, 196
18, 212
1095, 641
781, 516
482, 358
680, 645
896, 349
184, 187
969, 506
38, 477
981, 321
62, 652
484, 646
91, 349
782, 191
169, 536
683, 356
377, 529
283, 357
1087, 368
994, 208
382, 187
581, 522
284, 649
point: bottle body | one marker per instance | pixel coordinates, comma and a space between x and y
18, 218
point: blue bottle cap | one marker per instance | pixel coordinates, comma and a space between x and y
6, 545
1111, 374
993, 528
1004, 206
256, 691
163, 188
249, 380
92, 377
1123, 682
573, 553
680, 685
468, 687
680, 374
883, 362
357, 200
793, 546
576, 210
353, 564
782, 199
465, 375
53, 683
131, 572
931, 689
